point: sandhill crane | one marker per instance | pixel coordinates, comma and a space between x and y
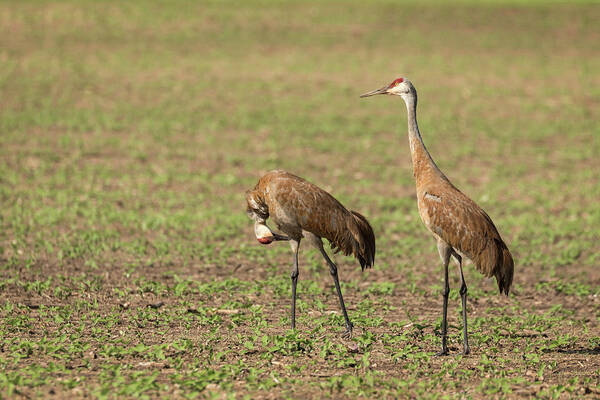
461, 227
303, 210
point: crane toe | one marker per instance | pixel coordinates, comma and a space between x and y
348, 333
443, 352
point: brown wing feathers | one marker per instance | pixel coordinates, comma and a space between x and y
353, 236
467, 228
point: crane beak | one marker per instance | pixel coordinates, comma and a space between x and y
277, 236
266, 235
270, 239
383, 90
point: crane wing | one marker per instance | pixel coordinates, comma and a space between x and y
300, 205
464, 225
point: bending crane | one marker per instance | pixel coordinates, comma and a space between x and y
461, 227
303, 210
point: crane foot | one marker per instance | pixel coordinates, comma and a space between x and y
348, 333
443, 352
466, 350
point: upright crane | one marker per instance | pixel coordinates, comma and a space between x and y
303, 210
461, 227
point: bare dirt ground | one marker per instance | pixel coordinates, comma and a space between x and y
129, 134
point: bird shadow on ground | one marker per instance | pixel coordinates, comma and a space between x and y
581, 350
523, 335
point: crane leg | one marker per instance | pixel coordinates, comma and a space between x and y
295, 244
463, 297
445, 252
334, 274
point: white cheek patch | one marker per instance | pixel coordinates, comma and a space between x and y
262, 231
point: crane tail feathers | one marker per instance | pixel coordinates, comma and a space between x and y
363, 245
504, 270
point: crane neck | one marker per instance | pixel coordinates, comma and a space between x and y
421, 159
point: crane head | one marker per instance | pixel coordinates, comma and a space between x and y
399, 87
265, 236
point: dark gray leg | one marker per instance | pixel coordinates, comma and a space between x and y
334, 274
445, 294
463, 297
445, 252
295, 245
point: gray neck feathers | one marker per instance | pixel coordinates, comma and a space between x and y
420, 155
